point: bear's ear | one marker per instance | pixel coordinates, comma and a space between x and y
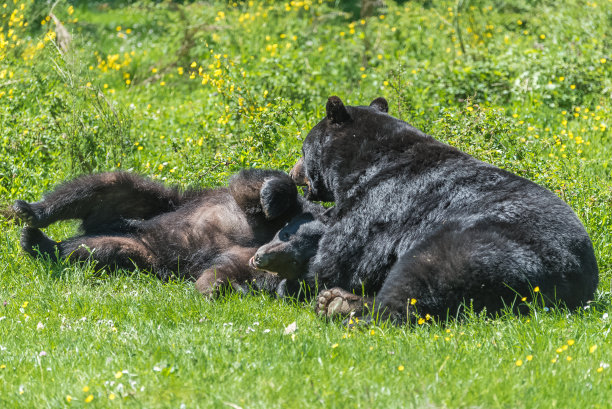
336, 111
380, 104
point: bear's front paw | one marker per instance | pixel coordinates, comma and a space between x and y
212, 286
338, 302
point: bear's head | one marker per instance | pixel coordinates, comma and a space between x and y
291, 249
339, 149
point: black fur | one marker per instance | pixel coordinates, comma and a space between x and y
127, 220
415, 218
290, 251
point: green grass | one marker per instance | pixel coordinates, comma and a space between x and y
526, 86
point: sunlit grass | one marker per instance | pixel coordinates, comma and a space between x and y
190, 93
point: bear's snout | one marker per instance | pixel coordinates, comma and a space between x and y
258, 261
297, 173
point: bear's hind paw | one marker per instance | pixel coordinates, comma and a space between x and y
24, 211
338, 302
35, 243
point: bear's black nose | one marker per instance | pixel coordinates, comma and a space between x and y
259, 260
262, 260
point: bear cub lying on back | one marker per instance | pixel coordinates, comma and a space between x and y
208, 235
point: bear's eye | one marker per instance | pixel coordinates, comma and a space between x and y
283, 236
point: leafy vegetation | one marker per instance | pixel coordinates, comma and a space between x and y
190, 92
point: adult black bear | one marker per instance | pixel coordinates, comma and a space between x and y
208, 235
416, 219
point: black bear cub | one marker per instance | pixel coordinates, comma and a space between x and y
208, 235
427, 228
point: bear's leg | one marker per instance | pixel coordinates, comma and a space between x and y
454, 270
100, 199
108, 251
232, 269
339, 302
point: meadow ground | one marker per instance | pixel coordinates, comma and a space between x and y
190, 93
